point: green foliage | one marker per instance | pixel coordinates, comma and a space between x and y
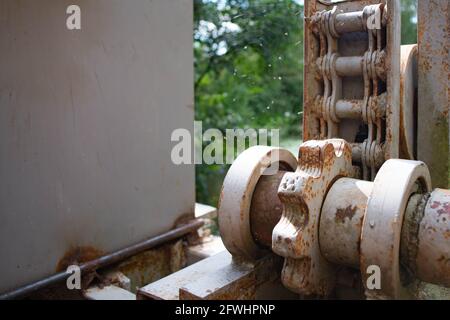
409, 19
249, 70
250, 74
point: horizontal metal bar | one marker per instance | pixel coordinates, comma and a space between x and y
349, 109
106, 260
352, 109
357, 154
350, 22
352, 66
356, 21
349, 66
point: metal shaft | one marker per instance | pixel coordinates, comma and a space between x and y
432, 263
341, 220
425, 246
266, 208
426, 253
107, 259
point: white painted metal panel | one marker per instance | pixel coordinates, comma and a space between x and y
85, 124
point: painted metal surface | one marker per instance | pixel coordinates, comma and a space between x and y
109, 292
408, 102
341, 221
381, 231
235, 199
433, 96
218, 277
239, 280
85, 124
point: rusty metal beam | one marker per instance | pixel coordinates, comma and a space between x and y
237, 280
433, 95
217, 277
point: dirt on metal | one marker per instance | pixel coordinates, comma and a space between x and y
347, 213
78, 255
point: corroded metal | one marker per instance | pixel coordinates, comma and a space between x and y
341, 220
239, 280
433, 251
332, 224
396, 181
361, 86
218, 277
302, 192
236, 197
151, 265
425, 230
409, 238
106, 260
352, 85
266, 208
433, 96
168, 288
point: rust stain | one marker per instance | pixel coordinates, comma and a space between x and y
154, 264
78, 255
447, 234
442, 208
343, 213
435, 204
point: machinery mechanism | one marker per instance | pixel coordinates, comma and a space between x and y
356, 200
355, 214
332, 224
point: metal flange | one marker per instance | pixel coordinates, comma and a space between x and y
408, 95
395, 182
296, 236
236, 196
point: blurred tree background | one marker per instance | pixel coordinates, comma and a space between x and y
249, 71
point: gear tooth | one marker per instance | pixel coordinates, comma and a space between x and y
295, 235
